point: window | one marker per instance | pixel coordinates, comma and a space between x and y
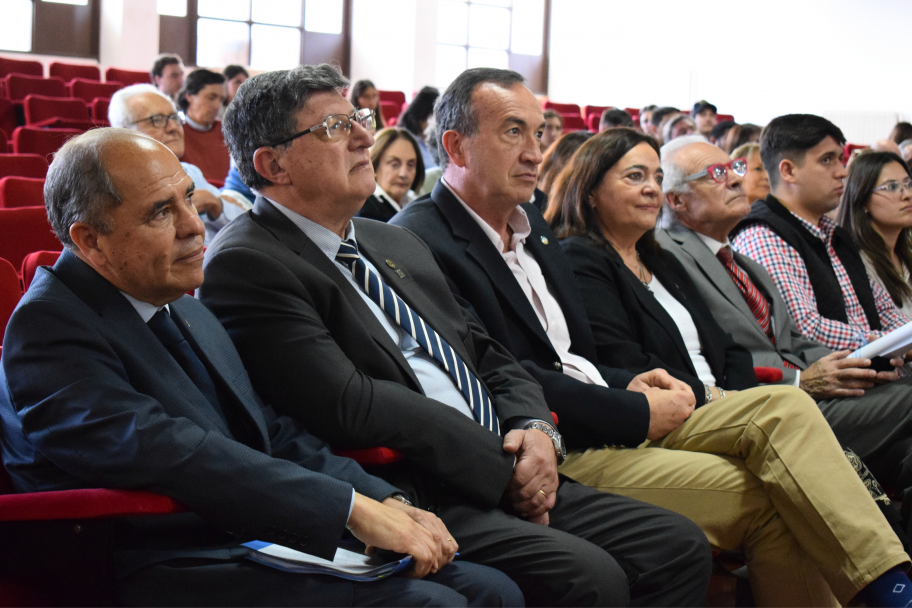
484, 33
16, 26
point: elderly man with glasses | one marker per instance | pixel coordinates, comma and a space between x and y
145, 109
349, 325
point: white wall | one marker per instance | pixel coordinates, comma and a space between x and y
756, 60
129, 34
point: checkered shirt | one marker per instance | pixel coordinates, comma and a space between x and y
788, 271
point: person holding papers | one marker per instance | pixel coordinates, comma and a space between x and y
112, 377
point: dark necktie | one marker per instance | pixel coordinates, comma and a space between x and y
755, 300
166, 330
378, 291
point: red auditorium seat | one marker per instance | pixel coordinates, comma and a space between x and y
634, 114
10, 293
56, 112
590, 110
69, 71
99, 107
574, 123
725, 118
25, 230
31, 263
23, 165
593, 122
390, 110
397, 97
127, 77
4, 140
849, 148
31, 140
9, 119
18, 87
87, 90
565, 109
21, 192
17, 66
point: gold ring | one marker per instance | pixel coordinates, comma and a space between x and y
543, 493
449, 540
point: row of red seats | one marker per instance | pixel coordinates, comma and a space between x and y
37, 140
17, 87
69, 71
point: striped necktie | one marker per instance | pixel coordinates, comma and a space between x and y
378, 291
755, 300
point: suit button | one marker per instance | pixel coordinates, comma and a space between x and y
558, 366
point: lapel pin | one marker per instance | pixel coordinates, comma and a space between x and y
390, 264
544, 240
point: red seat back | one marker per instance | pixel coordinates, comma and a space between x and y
21, 192
127, 77
23, 165
18, 87
848, 149
69, 71
24, 230
31, 263
9, 119
397, 97
590, 110
17, 66
39, 109
725, 118
87, 90
10, 294
389, 110
30, 140
566, 109
99, 107
574, 123
593, 122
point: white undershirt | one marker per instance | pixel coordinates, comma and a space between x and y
688, 330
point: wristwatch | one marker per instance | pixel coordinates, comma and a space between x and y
560, 450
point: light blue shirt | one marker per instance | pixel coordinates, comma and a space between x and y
229, 211
434, 380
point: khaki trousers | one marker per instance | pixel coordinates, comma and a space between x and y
762, 472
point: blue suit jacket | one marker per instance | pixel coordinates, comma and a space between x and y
89, 397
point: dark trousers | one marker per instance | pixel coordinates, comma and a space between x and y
198, 582
599, 550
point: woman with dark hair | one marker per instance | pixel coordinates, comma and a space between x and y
201, 100
901, 132
415, 120
877, 211
739, 135
644, 310
399, 172
556, 157
365, 95
235, 76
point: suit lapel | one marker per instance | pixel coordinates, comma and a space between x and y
287, 233
652, 306
480, 248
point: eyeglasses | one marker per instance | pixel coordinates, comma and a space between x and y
161, 120
719, 173
338, 125
893, 186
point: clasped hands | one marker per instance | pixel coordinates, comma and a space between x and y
532, 490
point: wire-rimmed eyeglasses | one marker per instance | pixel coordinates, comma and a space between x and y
160, 121
337, 125
719, 173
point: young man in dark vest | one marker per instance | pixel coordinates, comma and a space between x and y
814, 263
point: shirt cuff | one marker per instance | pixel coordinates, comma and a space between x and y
351, 506
797, 378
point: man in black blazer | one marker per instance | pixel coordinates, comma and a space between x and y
334, 352
500, 257
113, 377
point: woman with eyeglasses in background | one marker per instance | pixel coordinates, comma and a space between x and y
645, 311
877, 211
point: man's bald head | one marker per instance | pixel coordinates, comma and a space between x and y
886, 145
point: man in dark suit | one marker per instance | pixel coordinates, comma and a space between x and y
499, 256
868, 411
113, 377
349, 326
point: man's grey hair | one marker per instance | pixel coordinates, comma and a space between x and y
674, 173
454, 111
78, 187
119, 114
264, 111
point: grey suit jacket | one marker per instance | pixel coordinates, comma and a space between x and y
730, 309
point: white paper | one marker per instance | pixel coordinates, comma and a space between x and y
895, 344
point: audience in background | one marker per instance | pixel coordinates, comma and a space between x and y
738, 135
814, 263
145, 109
755, 182
168, 74
645, 120
677, 126
415, 120
235, 75
398, 170
365, 95
901, 132
557, 156
201, 100
886, 145
877, 212
658, 119
718, 132
905, 150
613, 118
704, 115
554, 128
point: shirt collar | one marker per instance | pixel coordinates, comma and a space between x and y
823, 230
518, 221
145, 310
382, 194
197, 126
324, 238
712, 243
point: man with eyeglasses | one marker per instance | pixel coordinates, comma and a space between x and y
145, 109
869, 411
349, 326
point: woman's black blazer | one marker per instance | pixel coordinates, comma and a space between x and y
634, 332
